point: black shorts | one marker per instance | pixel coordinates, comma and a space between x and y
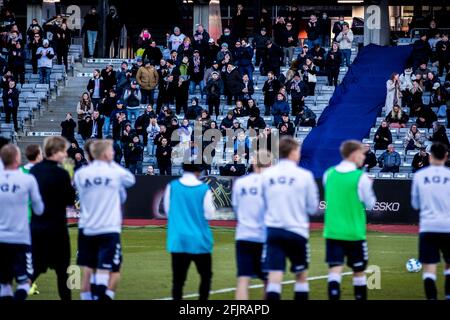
250, 259
101, 252
431, 245
356, 252
51, 250
82, 259
16, 263
282, 244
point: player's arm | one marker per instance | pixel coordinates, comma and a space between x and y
208, 205
167, 200
312, 196
234, 197
415, 198
36, 200
365, 191
127, 178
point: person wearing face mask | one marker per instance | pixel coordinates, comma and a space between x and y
114, 26
91, 28
227, 38
338, 26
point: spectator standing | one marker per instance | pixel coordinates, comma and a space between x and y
143, 121
325, 29
345, 39
147, 77
16, 62
123, 79
313, 31
233, 83
11, 103
164, 157
96, 88
136, 155
132, 99
318, 55
393, 95
175, 39
244, 56
289, 42
390, 160
421, 51
439, 135
45, 55
443, 54
85, 108
63, 42
153, 130
91, 28
34, 45
201, 38
109, 78
214, 89
152, 54
259, 44
333, 63
338, 26
298, 91
114, 27
273, 58
196, 73
270, 89
106, 108
239, 23
310, 76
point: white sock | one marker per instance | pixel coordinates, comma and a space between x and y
360, 281
301, 287
102, 279
92, 278
447, 272
334, 277
24, 286
429, 275
110, 294
86, 295
274, 287
6, 290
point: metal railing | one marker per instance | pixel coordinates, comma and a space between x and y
415, 32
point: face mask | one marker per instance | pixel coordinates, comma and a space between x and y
227, 33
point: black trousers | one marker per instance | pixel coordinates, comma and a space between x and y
62, 55
214, 105
11, 112
333, 76
165, 169
443, 64
296, 104
180, 267
110, 38
448, 118
258, 57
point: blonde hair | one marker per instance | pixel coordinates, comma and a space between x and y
8, 154
262, 159
98, 147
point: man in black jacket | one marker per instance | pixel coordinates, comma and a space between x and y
113, 28
109, 78
50, 236
371, 159
420, 160
259, 43
164, 158
234, 169
255, 121
443, 54
273, 58
96, 88
11, 103
233, 83
270, 90
91, 28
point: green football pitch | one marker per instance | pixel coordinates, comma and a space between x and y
146, 270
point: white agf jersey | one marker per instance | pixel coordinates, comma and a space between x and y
290, 196
16, 190
99, 185
248, 205
431, 195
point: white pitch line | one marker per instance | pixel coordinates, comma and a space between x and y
255, 286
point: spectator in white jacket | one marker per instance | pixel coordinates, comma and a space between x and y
393, 94
152, 130
345, 39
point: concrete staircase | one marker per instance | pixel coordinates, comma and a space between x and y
56, 110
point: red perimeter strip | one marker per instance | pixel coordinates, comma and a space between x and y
402, 229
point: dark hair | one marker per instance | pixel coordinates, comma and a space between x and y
439, 151
287, 145
32, 152
348, 147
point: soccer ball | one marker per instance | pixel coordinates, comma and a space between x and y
413, 265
